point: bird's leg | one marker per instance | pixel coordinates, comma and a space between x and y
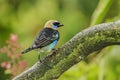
53, 49
39, 57
41, 60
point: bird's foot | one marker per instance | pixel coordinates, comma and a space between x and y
44, 64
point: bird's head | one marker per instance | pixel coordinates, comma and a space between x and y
53, 24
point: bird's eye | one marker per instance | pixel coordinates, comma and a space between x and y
56, 23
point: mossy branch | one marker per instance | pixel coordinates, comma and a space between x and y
79, 47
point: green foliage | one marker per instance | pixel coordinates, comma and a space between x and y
3, 75
26, 17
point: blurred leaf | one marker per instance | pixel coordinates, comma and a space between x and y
100, 11
3, 75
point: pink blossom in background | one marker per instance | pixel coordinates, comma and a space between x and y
13, 37
11, 50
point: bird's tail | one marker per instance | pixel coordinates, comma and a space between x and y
27, 50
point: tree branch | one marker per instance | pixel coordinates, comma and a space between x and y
79, 47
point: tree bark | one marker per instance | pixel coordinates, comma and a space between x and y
79, 47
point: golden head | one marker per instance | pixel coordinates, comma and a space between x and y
53, 24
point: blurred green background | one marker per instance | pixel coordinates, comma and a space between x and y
26, 18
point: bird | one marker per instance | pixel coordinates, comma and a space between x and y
47, 38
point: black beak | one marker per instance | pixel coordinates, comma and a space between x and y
60, 25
